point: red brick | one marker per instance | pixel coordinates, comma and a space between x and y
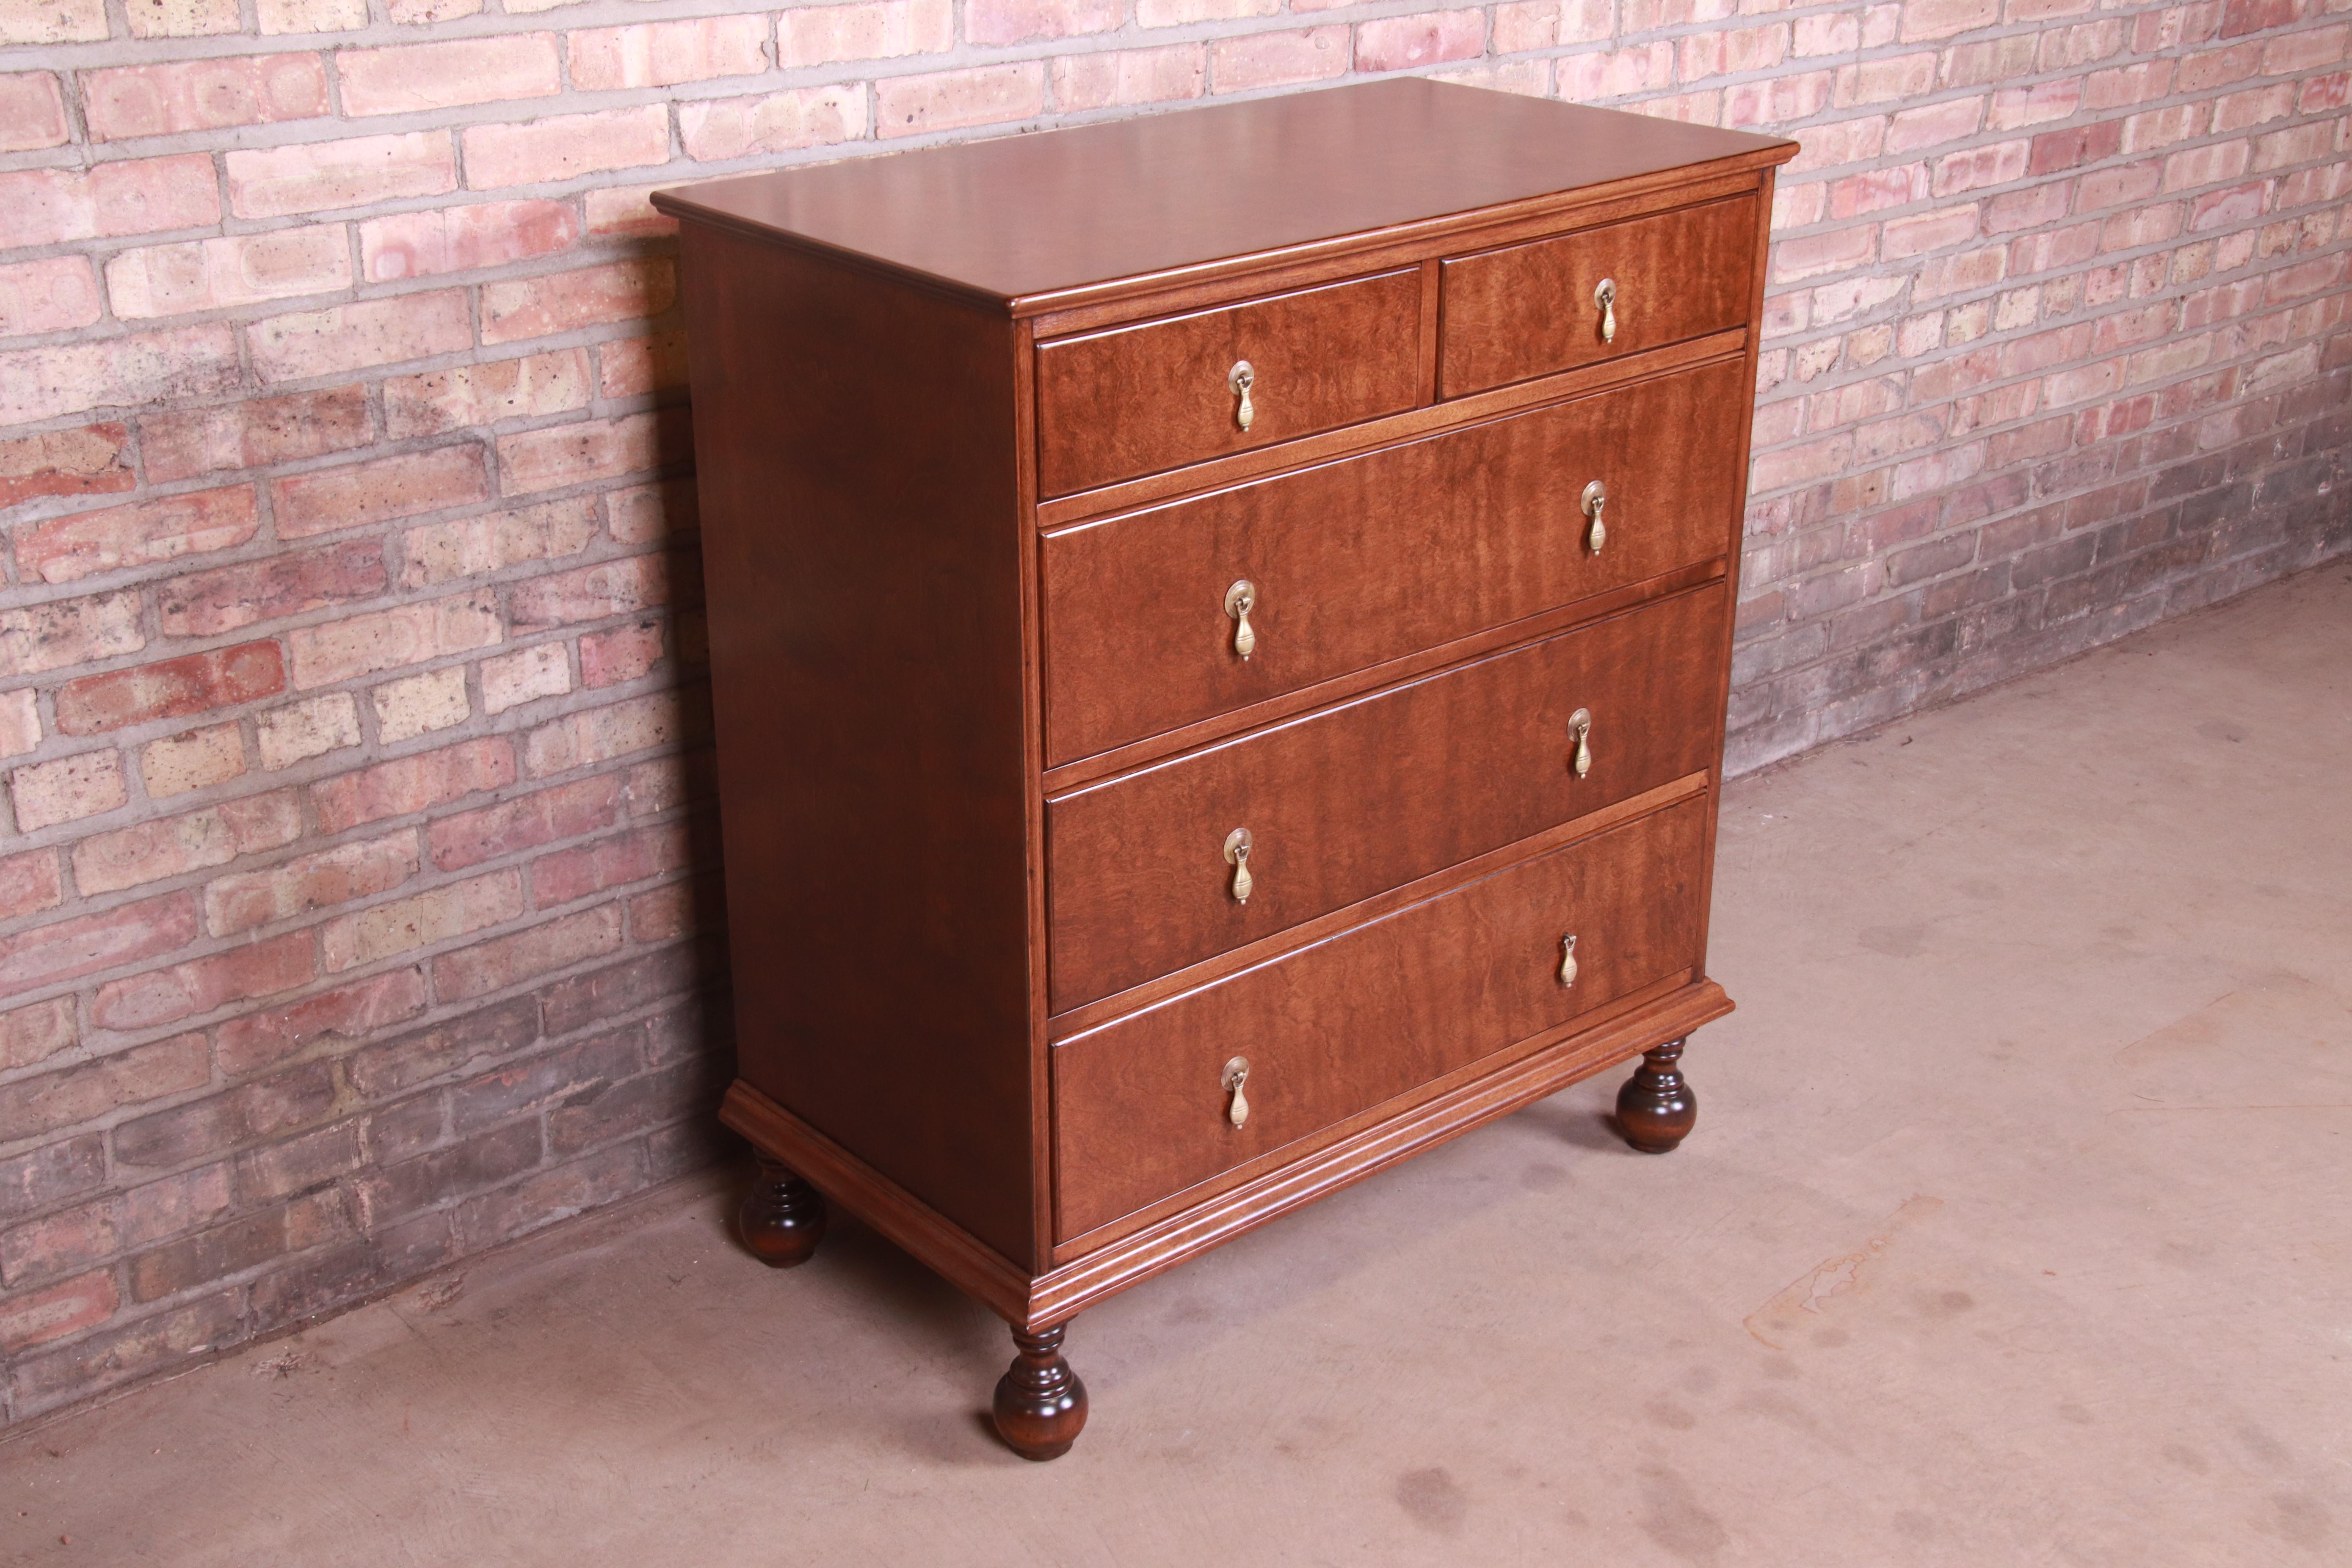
592, 449
28, 884
203, 95
114, 1356
647, 514
174, 846
55, 294
564, 812
412, 784
317, 176
35, 1105
139, 534
180, 444
143, 368
565, 146
329, 499
563, 301
661, 54
66, 632
238, 269
716, 129
32, 113
196, 683
676, 909
552, 1195
494, 965
632, 856
610, 659
138, 196
631, 367
421, 920
82, 1302
245, 1242
950, 100
167, 996
2239, 18
240, 902
462, 238
205, 603
386, 639
408, 78
619, 587
87, 461
330, 1020
355, 337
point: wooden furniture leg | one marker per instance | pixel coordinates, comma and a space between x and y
782, 1217
1656, 1109
1041, 1405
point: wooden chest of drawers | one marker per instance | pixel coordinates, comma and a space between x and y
1219, 629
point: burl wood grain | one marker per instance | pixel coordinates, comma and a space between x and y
1373, 557
1133, 400
1374, 1013
1528, 309
1352, 800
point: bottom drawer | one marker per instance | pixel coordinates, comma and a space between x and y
1381, 1009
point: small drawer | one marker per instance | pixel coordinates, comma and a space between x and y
1135, 400
1530, 309
1141, 1110
1355, 800
1353, 562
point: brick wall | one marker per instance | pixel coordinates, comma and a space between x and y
357, 906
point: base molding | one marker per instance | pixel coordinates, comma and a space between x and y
1032, 1301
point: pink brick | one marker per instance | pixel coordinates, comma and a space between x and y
1810, 256
1178, 13
329, 499
270, 1035
84, 461
1826, 35
565, 146
878, 30
2227, 208
32, 113
242, 974
180, 19
569, 874
52, 206
182, 444
948, 101
1886, 80
628, 210
609, 588
1271, 59
1400, 43
412, 784
1907, 236
1732, 51
525, 676
2282, 149
662, 914
196, 760
591, 450
461, 238
1017, 21
716, 129
240, 902
659, 53
67, 632
171, 688
408, 78
1996, 165
53, 295
485, 393
421, 920
489, 966
283, 583
522, 308
35, 1318
28, 884
566, 811
471, 546
1937, 122
237, 269
2306, 51
1585, 79
345, 337
174, 846
387, 639
139, 534
1876, 189
316, 176
203, 95
629, 367
20, 722
67, 790
2207, 165
2021, 106
279, 16
612, 658
53, 954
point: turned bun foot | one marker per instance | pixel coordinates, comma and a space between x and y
1041, 1405
783, 1217
1656, 1109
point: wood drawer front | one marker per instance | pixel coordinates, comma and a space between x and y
1375, 1012
1135, 400
1374, 557
1528, 309
1366, 796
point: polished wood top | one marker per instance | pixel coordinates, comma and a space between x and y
1030, 221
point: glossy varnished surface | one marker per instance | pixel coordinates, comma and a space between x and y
1349, 802
1370, 1014
1025, 217
1373, 557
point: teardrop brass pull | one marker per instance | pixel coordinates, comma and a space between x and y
1606, 297
1242, 378
1596, 496
1238, 854
1240, 600
1579, 724
1567, 958
1236, 1075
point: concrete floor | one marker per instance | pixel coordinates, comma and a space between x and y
2015, 1230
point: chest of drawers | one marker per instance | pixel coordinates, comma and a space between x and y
1219, 631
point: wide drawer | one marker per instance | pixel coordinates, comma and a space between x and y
1371, 795
1373, 557
1141, 1106
1135, 400
1530, 309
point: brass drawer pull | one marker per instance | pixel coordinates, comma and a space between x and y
1606, 297
1579, 724
1238, 854
1242, 378
1567, 958
1237, 1074
1596, 496
1240, 600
